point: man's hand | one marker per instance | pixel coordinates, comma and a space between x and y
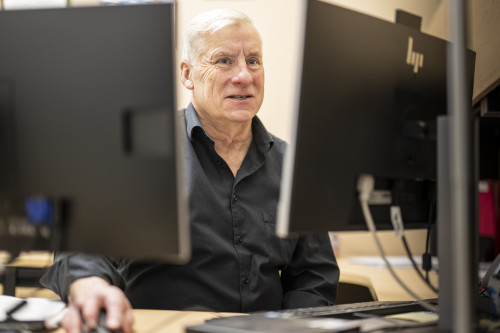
87, 297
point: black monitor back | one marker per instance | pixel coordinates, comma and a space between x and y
88, 143
369, 98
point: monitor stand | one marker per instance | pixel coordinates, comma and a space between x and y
450, 260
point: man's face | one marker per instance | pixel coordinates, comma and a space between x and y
228, 80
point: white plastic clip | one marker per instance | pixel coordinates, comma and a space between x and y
397, 221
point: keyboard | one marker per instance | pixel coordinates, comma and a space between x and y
377, 308
306, 319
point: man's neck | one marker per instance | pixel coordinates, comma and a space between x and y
232, 141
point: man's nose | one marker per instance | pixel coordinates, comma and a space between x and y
242, 75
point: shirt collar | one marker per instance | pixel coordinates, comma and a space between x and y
192, 120
263, 139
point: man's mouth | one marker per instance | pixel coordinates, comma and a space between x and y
240, 97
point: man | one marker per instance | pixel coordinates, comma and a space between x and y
233, 177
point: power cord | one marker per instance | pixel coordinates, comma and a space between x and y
415, 266
398, 224
426, 257
366, 185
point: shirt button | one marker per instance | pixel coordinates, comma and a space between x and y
240, 239
245, 280
235, 198
219, 162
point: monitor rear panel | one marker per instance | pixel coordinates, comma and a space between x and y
89, 104
370, 95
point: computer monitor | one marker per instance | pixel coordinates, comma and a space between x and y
369, 96
88, 140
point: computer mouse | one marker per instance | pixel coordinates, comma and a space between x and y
101, 325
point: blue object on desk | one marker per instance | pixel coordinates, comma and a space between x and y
39, 210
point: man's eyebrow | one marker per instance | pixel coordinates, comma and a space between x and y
220, 53
217, 53
255, 54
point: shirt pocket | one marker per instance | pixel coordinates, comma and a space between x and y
280, 251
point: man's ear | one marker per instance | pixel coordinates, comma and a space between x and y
186, 75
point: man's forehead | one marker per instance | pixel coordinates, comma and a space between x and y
228, 48
233, 38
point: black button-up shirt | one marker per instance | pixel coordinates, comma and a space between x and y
237, 264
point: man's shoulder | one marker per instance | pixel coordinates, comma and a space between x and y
279, 144
181, 116
278, 140
181, 112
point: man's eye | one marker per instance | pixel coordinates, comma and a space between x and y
223, 61
253, 61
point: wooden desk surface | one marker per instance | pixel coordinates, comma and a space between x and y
37, 259
32, 259
383, 283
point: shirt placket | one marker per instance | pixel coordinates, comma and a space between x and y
239, 243
238, 207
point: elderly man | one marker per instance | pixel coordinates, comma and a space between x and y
233, 168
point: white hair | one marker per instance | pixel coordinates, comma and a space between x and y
205, 24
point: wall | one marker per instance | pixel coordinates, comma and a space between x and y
486, 38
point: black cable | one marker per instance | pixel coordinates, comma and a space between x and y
427, 260
429, 227
365, 187
426, 257
408, 252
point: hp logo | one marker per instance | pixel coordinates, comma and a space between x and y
413, 58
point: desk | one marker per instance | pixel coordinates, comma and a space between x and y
385, 287
22, 275
380, 280
157, 321
30, 259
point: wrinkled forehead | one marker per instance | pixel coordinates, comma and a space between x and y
234, 37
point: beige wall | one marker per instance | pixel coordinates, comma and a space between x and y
431, 11
486, 43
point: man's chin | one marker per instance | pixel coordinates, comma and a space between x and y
241, 115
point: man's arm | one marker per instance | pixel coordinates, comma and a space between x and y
69, 267
311, 279
89, 284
